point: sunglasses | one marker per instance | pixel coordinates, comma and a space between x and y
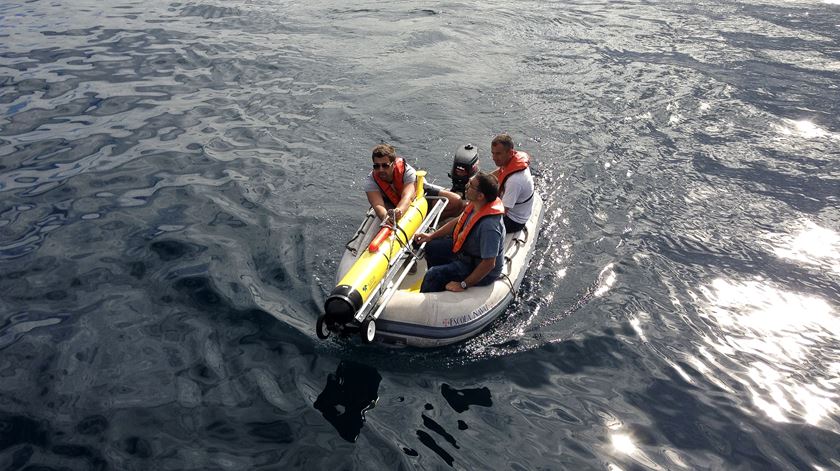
382, 166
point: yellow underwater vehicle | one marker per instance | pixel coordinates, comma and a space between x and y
378, 288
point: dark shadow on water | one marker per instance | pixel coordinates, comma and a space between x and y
430, 424
350, 392
16, 430
22, 438
462, 399
169, 250
427, 440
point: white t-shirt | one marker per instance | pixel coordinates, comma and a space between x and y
519, 187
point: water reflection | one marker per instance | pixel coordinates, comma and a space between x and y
625, 446
804, 129
809, 244
623, 443
606, 279
787, 341
349, 393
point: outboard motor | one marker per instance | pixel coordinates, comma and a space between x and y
464, 166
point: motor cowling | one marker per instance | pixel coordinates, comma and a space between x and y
464, 167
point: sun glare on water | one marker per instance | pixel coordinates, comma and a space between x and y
786, 340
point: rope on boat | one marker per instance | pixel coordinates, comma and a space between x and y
509, 259
513, 291
359, 232
407, 243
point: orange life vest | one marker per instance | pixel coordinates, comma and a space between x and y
393, 193
459, 235
518, 163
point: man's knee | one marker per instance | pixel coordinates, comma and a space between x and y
512, 226
438, 251
433, 280
437, 277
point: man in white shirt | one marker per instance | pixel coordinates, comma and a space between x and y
516, 184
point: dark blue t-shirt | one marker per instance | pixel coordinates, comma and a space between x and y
486, 240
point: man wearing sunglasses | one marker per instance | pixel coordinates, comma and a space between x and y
391, 185
468, 250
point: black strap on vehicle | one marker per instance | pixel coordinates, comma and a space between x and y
526, 199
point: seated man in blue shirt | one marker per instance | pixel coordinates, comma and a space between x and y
467, 251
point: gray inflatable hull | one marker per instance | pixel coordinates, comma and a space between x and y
416, 319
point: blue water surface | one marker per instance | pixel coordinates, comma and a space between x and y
178, 180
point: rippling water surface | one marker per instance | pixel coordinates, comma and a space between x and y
177, 181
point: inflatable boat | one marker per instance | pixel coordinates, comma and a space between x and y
379, 276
